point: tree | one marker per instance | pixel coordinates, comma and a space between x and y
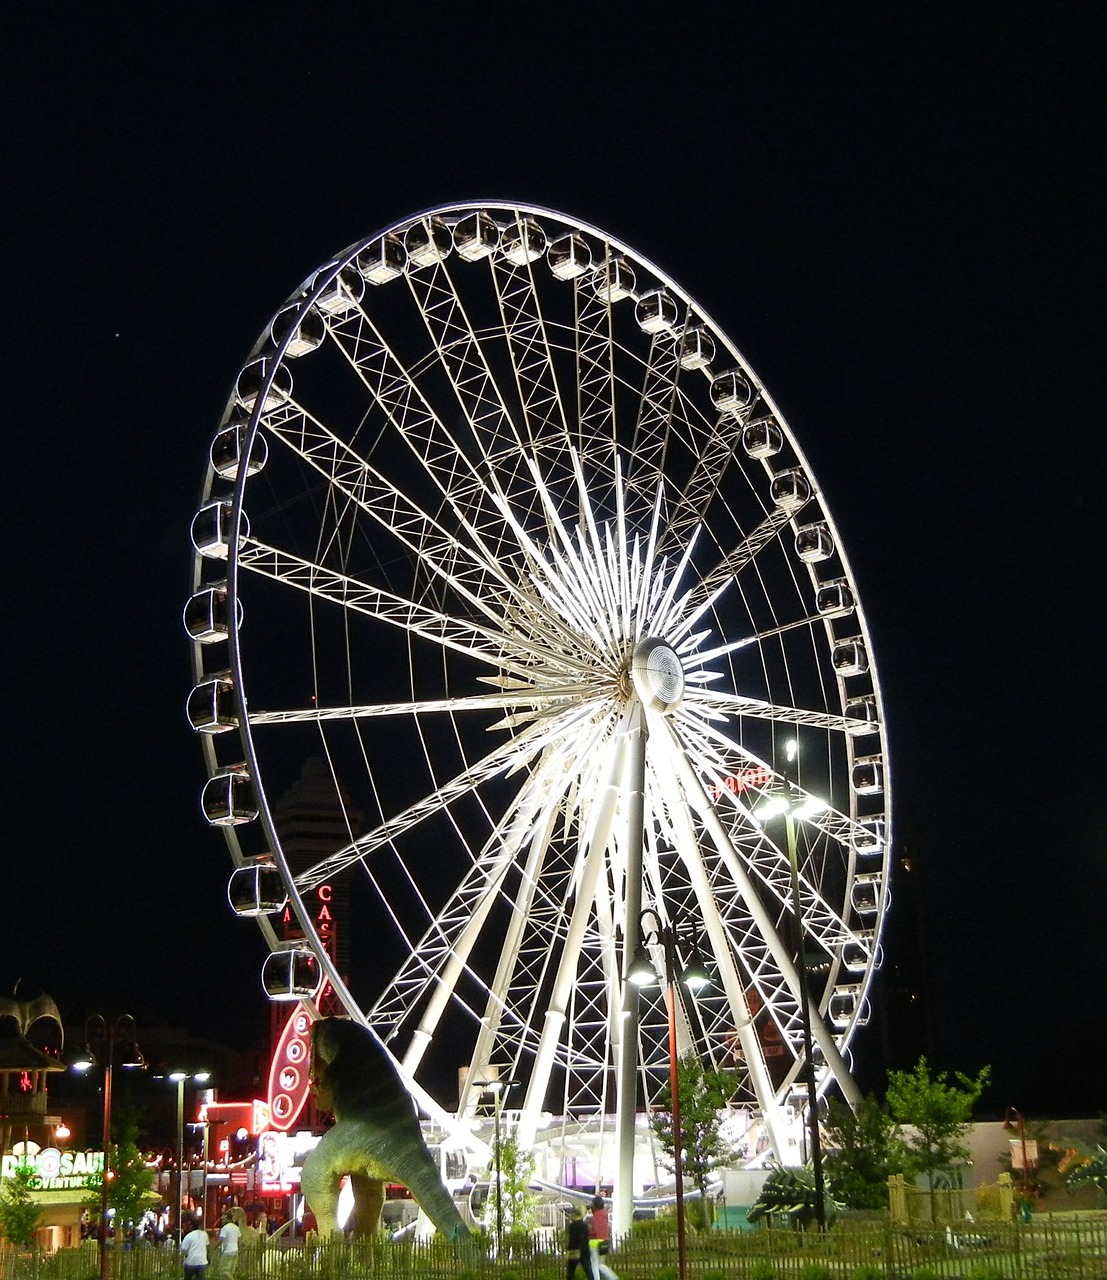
703, 1093
862, 1152
938, 1112
19, 1214
520, 1212
131, 1180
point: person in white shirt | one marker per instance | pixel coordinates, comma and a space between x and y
229, 1237
194, 1254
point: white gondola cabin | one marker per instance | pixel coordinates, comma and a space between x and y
382, 260
256, 889
290, 975
211, 706
254, 383
228, 798
211, 529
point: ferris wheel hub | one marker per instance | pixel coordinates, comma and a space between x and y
658, 674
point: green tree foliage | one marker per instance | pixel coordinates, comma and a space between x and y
19, 1214
131, 1180
938, 1110
703, 1093
862, 1152
520, 1202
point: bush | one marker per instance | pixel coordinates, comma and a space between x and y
867, 1272
816, 1271
985, 1271
762, 1271
661, 1227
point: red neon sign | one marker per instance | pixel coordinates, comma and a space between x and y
288, 1070
753, 779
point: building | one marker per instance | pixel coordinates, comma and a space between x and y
31, 1041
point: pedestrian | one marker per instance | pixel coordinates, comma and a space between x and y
599, 1239
229, 1237
578, 1252
194, 1254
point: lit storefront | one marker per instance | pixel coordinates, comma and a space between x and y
30, 1046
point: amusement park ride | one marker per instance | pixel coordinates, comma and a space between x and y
500, 525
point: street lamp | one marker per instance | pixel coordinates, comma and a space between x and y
102, 1031
204, 1126
498, 1089
179, 1078
1019, 1123
694, 976
784, 801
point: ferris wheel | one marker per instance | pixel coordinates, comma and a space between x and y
503, 533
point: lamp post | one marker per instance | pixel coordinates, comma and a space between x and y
179, 1078
204, 1127
783, 801
1012, 1114
497, 1088
102, 1031
642, 974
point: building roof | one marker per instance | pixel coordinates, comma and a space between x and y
17, 1055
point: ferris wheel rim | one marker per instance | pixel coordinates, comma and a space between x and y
320, 280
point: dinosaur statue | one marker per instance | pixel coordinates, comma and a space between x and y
376, 1135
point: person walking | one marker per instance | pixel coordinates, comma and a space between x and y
578, 1251
599, 1240
194, 1254
230, 1236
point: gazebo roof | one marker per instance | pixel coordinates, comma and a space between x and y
17, 1017
17, 1055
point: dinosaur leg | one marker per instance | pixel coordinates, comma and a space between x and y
368, 1201
336, 1153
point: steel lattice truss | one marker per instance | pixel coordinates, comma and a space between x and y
471, 464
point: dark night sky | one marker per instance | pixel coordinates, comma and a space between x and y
894, 211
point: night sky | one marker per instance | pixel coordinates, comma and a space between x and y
894, 211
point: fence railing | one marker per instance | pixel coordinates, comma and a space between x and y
1050, 1247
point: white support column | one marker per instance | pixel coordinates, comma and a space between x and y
625, 1102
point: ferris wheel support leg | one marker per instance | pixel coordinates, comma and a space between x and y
819, 1030
623, 1199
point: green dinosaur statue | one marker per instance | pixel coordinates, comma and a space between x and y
376, 1135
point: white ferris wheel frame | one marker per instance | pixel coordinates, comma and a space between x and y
652, 819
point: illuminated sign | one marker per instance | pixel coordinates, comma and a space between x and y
56, 1170
288, 1071
277, 1167
322, 919
280, 1163
753, 779
236, 1116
